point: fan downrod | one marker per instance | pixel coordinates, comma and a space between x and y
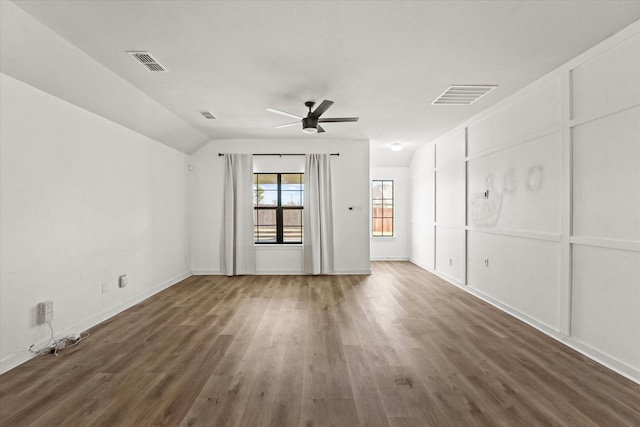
310, 105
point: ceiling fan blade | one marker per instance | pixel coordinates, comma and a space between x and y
338, 119
320, 129
324, 106
284, 113
286, 125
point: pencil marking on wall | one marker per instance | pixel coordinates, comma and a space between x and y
486, 212
510, 181
535, 178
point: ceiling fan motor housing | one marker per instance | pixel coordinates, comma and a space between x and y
310, 125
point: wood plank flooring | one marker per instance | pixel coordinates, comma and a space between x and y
397, 348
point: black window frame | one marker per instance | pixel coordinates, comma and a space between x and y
382, 200
279, 209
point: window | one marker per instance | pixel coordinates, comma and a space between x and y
382, 208
277, 207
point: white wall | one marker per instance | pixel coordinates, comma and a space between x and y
82, 201
350, 178
515, 154
422, 218
557, 241
605, 215
450, 207
397, 247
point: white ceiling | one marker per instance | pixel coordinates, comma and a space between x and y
382, 61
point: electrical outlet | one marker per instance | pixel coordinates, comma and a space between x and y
105, 288
450, 261
486, 262
122, 281
45, 311
486, 194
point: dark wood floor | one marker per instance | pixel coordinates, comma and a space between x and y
398, 348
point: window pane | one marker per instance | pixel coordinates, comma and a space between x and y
266, 217
376, 208
267, 198
292, 217
265, 189
387, 189
376, 190
292, 178
387, 209
376, 226
292, 234
387, 227
266, 233
291, 198
267, 178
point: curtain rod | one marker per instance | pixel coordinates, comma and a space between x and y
279, 154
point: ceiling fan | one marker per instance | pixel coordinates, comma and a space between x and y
311, 123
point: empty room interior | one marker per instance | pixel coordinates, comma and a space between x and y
320, 213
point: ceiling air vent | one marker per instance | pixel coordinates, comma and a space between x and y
147, 61
463, 94
207, 114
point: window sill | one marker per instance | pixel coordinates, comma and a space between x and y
278, 245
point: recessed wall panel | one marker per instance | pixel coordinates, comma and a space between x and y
606, 301
422, 244
606, 177
450, 148
610, 82
450, 196
450, 252
530, 116
517, 188
523, 274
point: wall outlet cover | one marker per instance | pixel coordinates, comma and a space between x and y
45, 311
122, 281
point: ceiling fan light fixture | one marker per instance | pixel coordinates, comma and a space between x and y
310, 130
396, 146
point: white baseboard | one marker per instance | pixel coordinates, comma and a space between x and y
421, 265
21, 357
605, 360
206, 272
449, 279
390, 258
612, 363
277, 272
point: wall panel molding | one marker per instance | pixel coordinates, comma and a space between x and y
624, 245
550, 237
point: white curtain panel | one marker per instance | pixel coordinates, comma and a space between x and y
238, 255
318, 215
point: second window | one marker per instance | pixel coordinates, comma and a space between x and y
382, 208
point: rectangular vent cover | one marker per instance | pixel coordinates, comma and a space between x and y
463, 94
207, 114
148, 61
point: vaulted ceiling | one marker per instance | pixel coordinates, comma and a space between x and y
384, 61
